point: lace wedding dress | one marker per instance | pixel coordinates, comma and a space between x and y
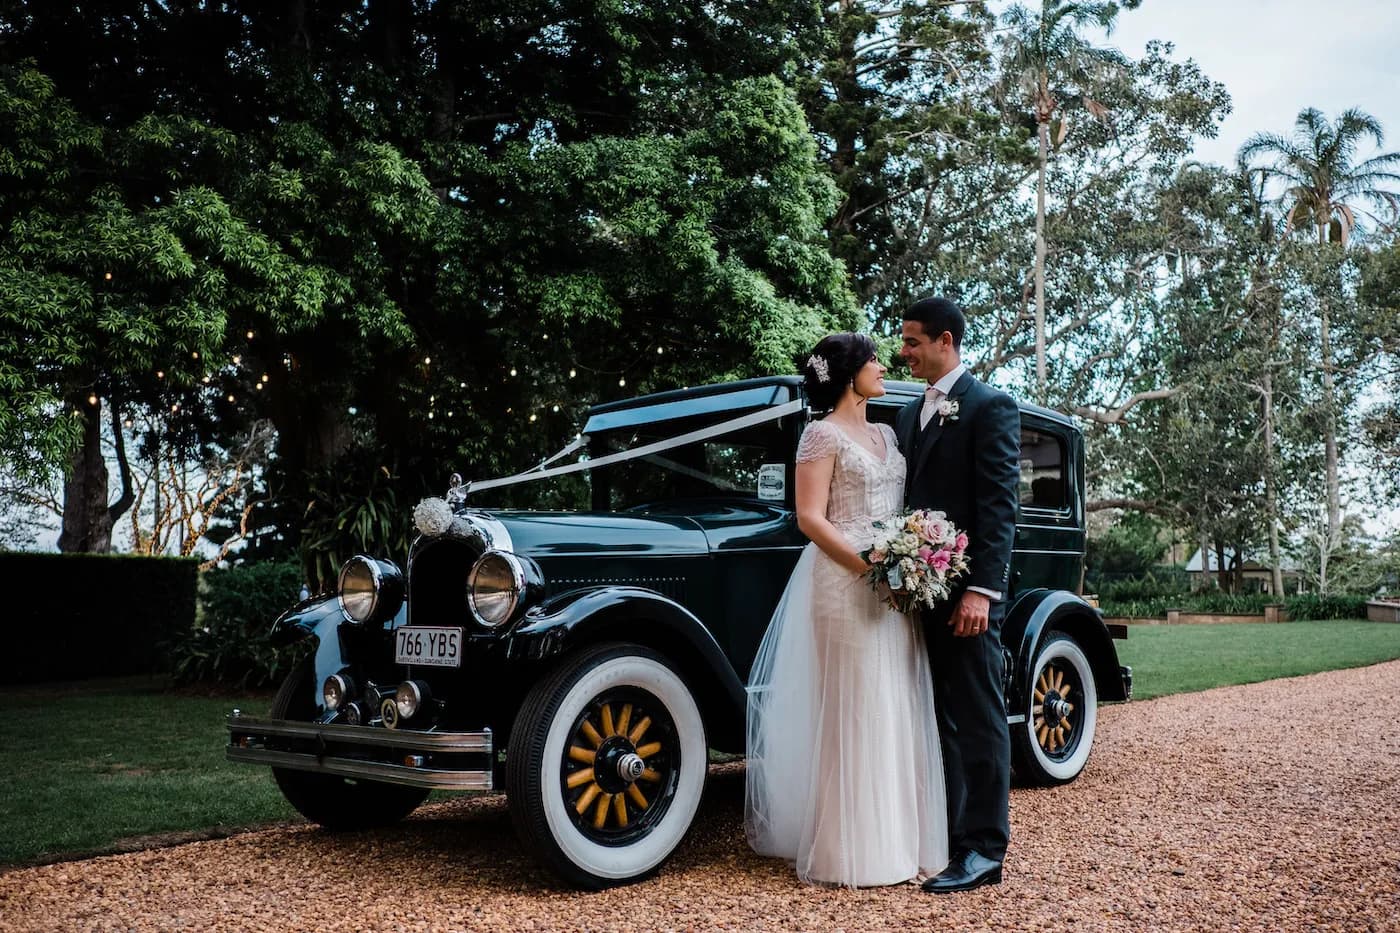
845, 775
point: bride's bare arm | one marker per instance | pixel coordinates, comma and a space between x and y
813, 488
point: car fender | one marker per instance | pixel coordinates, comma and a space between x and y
636, 614
320, 618
1035, 615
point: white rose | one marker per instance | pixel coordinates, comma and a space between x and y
432, 516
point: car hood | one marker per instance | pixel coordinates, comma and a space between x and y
563, 534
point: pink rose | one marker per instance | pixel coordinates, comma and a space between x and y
925, 554
941, 560
877, 557
961, 543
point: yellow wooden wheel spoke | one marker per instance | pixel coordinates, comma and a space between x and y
608, 729
600, 815
1043, 684
1059, 681
585, 755
1069, 707
1040, 696
1038, 709
1040, 733
623, 718
591, 733
593, 791
579, 778
620, 809
1065, 725
637, 797
646, 751
1060, 736
636, 734
651, 774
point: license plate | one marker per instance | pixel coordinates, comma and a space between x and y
435, 647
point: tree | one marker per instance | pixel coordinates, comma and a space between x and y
1053, 67
1322, 184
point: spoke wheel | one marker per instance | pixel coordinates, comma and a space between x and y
606, 765
619, 767
1053, 744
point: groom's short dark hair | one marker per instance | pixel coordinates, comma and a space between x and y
937, 315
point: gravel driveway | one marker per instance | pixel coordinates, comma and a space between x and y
1269, 806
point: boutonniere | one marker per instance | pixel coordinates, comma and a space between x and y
947, 411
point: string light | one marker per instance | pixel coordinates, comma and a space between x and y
512, 370
230, 396
556, 407
237, 359
160, 374
461, 385
258, 386
107, 276
206, 380
194, 354
128, 422
266, 378
430, 416
573, 373
427, 361
174, 408
622, 381
249, 335
532, 416
92, 399
660, 350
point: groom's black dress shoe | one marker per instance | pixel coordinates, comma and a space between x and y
966, 871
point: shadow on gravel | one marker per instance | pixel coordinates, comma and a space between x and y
473, 838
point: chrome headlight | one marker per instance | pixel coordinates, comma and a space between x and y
335, 691
495, 587
370, 590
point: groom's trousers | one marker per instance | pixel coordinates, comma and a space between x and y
976, 742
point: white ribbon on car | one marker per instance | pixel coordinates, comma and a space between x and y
702, 434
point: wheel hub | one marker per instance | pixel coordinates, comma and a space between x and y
630, 766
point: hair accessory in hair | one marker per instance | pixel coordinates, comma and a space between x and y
818, 365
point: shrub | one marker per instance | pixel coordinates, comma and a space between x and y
228, 643
1338, 606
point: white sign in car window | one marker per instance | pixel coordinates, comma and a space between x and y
772, 481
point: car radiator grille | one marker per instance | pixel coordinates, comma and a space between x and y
670, 587
437, 582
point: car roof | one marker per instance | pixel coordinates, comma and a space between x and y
761, 392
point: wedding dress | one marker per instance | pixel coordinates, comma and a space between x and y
845, 773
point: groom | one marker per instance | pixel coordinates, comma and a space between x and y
962, 442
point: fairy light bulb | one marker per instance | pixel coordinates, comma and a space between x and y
532, 416
556, 407
622, 381
512, 370
249, 335
230, 397
573, 373
237, 359
660, 351
427, 361
160, 374
107, 276
194, 354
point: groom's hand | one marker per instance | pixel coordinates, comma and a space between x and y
970, 618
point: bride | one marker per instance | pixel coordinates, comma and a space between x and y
845, 776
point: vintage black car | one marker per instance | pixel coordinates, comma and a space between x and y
605, 651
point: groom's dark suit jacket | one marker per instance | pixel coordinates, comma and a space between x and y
967, 467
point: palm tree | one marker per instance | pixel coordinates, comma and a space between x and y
1323, 183
1052, 67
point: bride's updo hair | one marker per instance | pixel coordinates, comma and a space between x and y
832, 365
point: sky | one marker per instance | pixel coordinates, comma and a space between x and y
1277, 57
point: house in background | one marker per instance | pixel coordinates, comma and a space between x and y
1256, 577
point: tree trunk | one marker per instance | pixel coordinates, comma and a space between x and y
1271, 485
87, 523
1043, 138
1329, 434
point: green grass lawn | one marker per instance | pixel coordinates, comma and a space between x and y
89, 767
1184, 658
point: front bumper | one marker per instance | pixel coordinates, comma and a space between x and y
435, 760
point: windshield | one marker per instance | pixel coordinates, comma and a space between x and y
750, 463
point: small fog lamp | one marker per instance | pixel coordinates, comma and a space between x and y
335, 690
410, 697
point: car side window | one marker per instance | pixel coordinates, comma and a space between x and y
1042, 471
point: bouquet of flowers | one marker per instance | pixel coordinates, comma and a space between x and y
920, 555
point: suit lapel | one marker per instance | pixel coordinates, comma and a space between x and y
934, 431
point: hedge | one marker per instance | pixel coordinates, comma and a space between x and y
94, 615
228, 640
